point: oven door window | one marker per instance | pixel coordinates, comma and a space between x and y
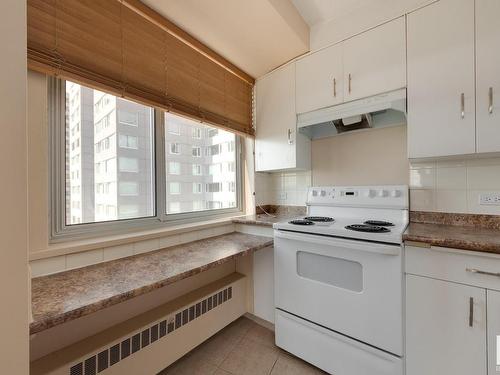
338, 272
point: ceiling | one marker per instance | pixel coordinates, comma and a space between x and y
317, 11
255, 35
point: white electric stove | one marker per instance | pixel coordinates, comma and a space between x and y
339, 280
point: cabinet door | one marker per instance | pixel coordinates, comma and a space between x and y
441, 97
487, 75
375, 61
493, 332
320, 79
276, 121
445, 328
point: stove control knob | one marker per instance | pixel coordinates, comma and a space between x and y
395, 193
382, 193
323, 193
314, 193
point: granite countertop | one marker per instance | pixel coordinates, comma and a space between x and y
454, 236
68, 295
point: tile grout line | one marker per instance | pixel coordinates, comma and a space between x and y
230, 352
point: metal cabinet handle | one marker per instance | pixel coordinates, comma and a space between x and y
471, 312
289, 133
490, 98
474, 270
334, 88
462, 104
350, 79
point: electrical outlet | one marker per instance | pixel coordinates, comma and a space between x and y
282, 195
489, 199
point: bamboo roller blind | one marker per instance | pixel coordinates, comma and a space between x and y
125, 48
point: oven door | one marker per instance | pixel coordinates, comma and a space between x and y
349, 286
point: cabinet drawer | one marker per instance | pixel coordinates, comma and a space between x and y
454, 265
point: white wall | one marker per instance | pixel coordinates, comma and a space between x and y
374, 13
14, 281
372, 157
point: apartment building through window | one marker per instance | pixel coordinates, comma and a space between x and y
109, 161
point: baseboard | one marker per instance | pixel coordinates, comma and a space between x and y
264, 323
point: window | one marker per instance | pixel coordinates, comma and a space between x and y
197, 133
215, 149
196, 151
175, 188
104, 152
89, 113
197, 188
197, 170
175, 148
128, 118
129, 164
129, 188
174, 167
209, 175
214, 187
128, 141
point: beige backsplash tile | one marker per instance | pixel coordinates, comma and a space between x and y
48, 266
451, 178
454, 185
84, 259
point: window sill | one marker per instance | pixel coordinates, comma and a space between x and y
71, 247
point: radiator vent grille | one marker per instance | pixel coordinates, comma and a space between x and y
108, 357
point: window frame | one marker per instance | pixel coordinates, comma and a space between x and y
59, 231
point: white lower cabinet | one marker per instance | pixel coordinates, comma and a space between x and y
452, 311
445, 328
493, 312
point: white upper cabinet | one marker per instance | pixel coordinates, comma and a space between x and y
320, 79
488, 75
441, 98
375, 61
278, 146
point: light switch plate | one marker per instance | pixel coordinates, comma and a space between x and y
489, 199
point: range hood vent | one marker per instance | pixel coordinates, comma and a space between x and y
383, 110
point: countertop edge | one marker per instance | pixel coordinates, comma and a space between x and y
50, 322
461, 244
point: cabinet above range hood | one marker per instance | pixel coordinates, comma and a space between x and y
383, 110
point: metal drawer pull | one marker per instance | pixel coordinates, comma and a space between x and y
350, 80
490, 98
289, 134
462, 104
471, 312
334, 88
473, 270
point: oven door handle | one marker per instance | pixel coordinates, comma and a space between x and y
356, 245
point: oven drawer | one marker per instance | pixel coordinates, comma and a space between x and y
352, 287
330, 351
460, 266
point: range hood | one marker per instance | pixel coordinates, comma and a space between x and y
383, 110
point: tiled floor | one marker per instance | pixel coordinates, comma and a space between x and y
242, 348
